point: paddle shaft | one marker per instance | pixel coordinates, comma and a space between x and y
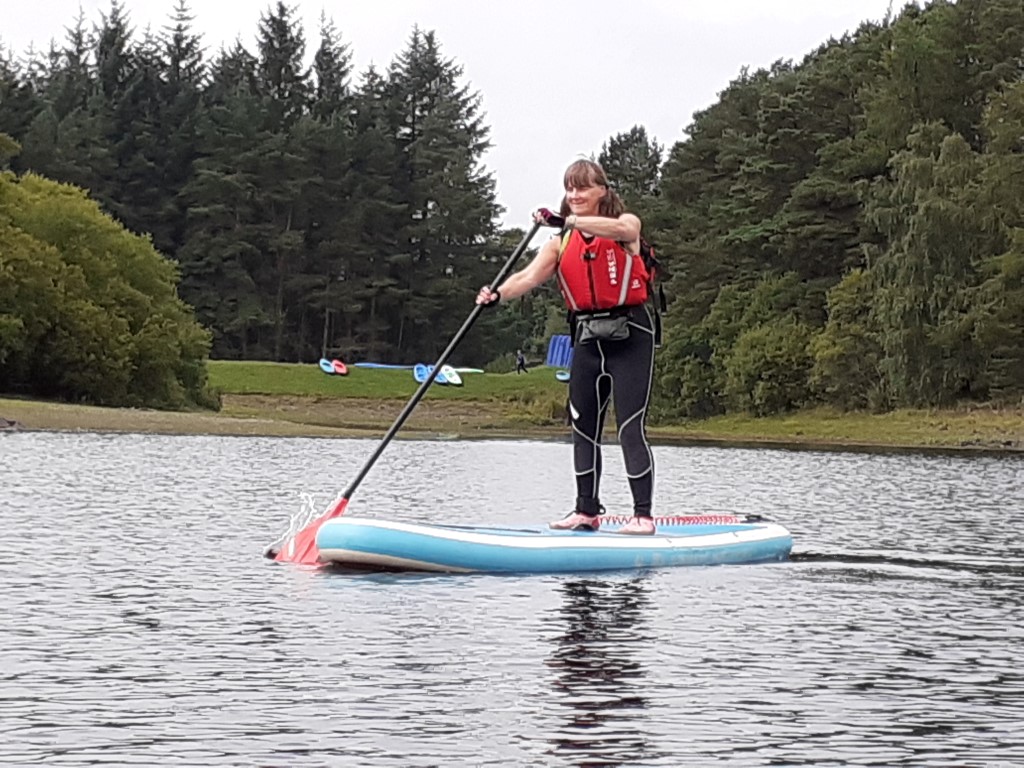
422, 390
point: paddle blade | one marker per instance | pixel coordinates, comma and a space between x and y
301, 548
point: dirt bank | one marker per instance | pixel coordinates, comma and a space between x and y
971, 430
285, 416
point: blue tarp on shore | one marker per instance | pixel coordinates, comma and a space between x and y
559, 352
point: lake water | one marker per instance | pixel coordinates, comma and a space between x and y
140, 624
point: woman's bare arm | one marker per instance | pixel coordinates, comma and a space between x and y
529, 277
625, 229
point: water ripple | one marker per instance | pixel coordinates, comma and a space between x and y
141, 626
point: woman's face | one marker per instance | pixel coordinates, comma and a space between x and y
584, 200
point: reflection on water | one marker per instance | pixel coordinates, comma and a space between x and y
141, 625
599, 671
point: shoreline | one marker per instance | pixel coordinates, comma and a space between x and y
954, 431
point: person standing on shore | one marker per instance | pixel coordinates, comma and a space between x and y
604, 282
520, 362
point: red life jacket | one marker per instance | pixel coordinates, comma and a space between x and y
599, 274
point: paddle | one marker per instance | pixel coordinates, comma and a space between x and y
301, 548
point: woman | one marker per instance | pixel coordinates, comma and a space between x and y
604, 283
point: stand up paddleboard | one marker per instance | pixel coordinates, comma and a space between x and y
451, 376
420, 372
693, 540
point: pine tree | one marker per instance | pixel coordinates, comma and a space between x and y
221, 250
332, 70
633, 162
281, 168
282, 79
449, 197
182, 82
372, 297
19, 100
321, 286
65, 139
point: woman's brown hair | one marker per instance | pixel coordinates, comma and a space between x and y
587, 173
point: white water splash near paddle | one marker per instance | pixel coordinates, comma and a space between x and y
306, 514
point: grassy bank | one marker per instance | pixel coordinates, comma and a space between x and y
966, 428
282, 399
254, 378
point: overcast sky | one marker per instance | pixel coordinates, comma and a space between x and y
557, 78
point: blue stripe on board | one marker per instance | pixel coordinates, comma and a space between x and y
564, 551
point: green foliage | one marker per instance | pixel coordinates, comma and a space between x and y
698, 376
8, 148
687, 381
19, 104
998, 302
926, 277
847, 353
91, 312
633, 161
768, 367
844, 228
871, 173
999, 330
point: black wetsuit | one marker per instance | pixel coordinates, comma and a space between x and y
619, 372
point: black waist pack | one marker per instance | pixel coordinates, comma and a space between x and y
602, 327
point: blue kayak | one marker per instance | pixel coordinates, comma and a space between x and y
326, 365
421, 371
691, 540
